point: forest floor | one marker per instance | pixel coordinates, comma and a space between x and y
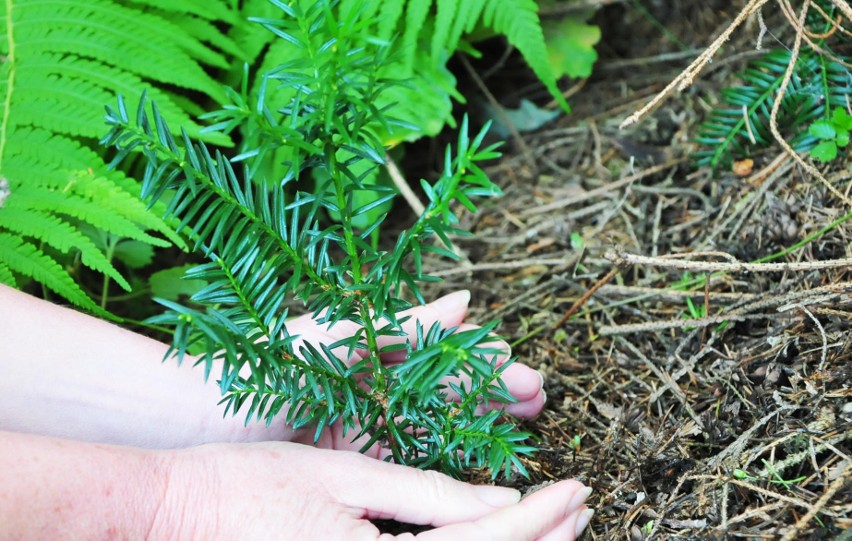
699, 398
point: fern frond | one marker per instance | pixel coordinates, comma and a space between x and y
59, 235
119, 36
6, 275
207, 31
465, 21
23, 258
56, 188
59, 164
415, 17
212, 10
103, 80
59, 104
518, 21
65, 60
79, 208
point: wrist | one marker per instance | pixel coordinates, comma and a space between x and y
62, 489
188, 505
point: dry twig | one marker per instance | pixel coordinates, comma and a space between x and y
622, 258
687, 76
403, 187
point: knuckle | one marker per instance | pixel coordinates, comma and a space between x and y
434, 485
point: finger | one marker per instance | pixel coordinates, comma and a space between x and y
496, 347
522, 382
526, 407
333, 437
449, 310
526, 386
570, 528
532, 518
414, 496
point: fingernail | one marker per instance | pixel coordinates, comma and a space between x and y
541, 377
580, 497
497, 496
453, 301
583, 521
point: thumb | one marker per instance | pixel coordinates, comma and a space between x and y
416, 496
449, 310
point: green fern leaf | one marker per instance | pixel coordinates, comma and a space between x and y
59, 104
440, 32
415, 18
154, 47
60, 235
106, 81
81, 209
467, 15
208, 32
363, 10
246, 36
447, 13
518, 21
65, 60
58, 164
27, 260
6, 275
212, 10
391, 13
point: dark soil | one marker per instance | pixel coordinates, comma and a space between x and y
669, 408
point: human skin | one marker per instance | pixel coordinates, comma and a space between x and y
103, 441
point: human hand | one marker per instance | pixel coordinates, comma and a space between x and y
524, 383
288, 491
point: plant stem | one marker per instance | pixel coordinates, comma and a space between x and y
112, 242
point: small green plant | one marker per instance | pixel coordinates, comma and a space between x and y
699, 311
690, 282
576, 444
820, 83
741, 126
776, 479
695, 311
266, 241
833, 134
